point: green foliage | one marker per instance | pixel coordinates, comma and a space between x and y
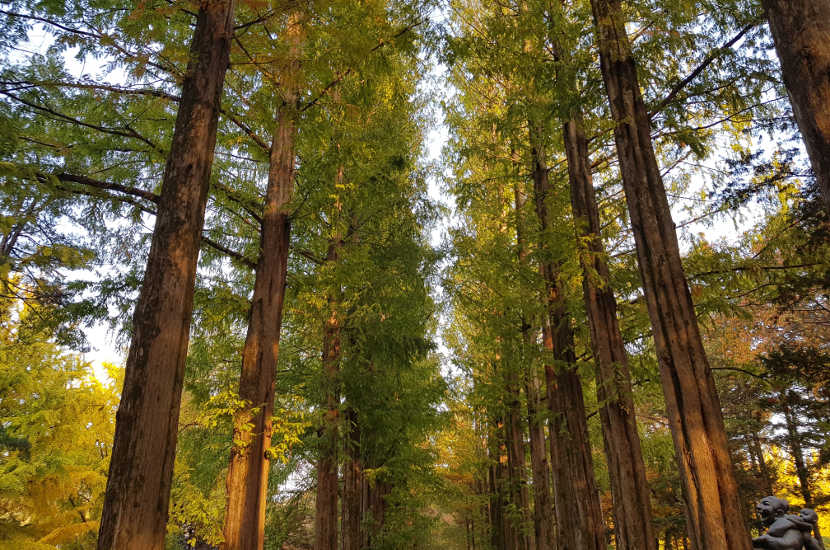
57, 423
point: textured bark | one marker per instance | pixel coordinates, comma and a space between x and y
496, 477
576, 499
542, 503
326, 511
141, 468
516, 466
633, 528
712, 503
543, 521
353, 487
247, 478
376, 499
801, 32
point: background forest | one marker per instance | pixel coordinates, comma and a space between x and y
430, 307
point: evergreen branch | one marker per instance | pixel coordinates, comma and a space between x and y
95, 36
245, 128
147, 195
383, 42
128, 132
98, 184
102, 187
308, 255
261, 19
743, 371
88, 86
241, 258
752, 268
50, 22
248, 205
708, 60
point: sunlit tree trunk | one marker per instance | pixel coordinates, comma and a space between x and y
712, 501
576, 499
629, 489
135, 508
247, 479
801, 32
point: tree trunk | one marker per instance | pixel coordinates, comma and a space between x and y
378, 491
141, 468
353, 487
326, 516
626, 469
712, 500
518, 494
543, 521
763, 469
797, 452
247, 479
801, 32
496, 482
578, 512
542, 504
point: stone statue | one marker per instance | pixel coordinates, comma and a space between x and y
785, 531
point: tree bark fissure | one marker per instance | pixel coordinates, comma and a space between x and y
543, 526
578, 513
353, 481
327, 466
629, 488
801, 32
141, 469
713, 506
247, 478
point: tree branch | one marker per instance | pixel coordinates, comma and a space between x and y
343, 74
711, 58
241, 258
128, 132
90, 86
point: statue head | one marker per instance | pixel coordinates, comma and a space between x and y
769, 508
808, 515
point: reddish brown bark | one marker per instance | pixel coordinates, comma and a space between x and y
496, 476
633, 528
517, 486
576, 500
801, 32
712, 503
353, 482
247, 479
377, 493
141, 468
326, 509
542, 496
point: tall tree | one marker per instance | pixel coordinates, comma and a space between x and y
141, 467
626, 470
325, 520
247, 478
801, 32
543, 521
713, 505
576, 499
